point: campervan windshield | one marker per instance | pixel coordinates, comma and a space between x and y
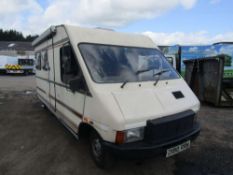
115, 64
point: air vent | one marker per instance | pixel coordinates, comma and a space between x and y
178, 94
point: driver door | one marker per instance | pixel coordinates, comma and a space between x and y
69, 104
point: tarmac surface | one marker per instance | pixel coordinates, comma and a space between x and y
33, 142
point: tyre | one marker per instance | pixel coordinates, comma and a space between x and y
102, 158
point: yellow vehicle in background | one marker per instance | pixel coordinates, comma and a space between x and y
13, 68
17, 65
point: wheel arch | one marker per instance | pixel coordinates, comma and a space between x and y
85, 129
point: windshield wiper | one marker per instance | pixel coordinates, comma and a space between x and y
144, 70
137, 73
159, 73
124, 83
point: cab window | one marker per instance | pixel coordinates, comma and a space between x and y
69, 67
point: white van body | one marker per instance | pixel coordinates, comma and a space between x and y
17, 64
7, 60
118, 112
3, 62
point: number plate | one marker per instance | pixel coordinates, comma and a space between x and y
177, 149
15, 71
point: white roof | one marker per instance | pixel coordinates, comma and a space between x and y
97, 35
103, 36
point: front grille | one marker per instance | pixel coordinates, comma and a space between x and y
169, 127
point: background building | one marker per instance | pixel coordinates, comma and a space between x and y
16, 49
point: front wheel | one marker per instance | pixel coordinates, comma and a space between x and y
100, 155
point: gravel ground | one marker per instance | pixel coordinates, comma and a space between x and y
17, 82
32, 141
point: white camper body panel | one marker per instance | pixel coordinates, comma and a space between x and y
50, 87
109, 108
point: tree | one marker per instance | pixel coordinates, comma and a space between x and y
13, 35
31, 37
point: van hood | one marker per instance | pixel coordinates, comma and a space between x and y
143, 104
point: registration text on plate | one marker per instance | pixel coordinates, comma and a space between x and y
179, 148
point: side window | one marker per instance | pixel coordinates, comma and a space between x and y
69, 67
45, 61
38, 61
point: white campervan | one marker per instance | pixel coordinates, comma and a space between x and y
118, 89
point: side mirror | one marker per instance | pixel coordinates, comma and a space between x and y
77, 84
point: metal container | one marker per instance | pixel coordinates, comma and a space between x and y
205, 76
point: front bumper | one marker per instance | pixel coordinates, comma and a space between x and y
144, 149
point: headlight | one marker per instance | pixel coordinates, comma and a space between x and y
133, 135
130, 135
